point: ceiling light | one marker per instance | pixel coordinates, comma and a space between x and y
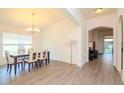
33, 29
99, 10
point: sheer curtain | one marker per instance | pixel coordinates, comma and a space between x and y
12, 42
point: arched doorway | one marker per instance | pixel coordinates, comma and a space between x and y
101, 41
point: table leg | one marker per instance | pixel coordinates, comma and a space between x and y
48, 58
15, 66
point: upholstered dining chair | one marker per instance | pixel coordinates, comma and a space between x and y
43, 57
30, 49
10, 61
21, 51
33, 57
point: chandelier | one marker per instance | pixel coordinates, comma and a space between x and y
33, 29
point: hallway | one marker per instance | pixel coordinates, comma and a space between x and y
99, 71
102, 71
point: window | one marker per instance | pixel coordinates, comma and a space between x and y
108, 45
12, 42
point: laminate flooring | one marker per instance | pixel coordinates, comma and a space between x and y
97, 72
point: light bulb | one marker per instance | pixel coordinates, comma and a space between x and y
30, 29
27, 29
36, 30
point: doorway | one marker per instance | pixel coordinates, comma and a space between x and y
108, 45
101, 40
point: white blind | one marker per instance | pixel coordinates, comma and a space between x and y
12, 42
12, 38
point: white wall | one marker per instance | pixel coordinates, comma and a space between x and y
12, 29
56, 38
63, 32
120, 12
68, 31
80, 20
105, 21
102, 21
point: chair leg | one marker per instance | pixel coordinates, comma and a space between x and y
32, 64
36, 65
29, 67
22, 66
42, 63
46, 62
18, 65
7, 67
10, 69
39, 64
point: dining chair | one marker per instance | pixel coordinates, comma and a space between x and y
10, 61
33, 56
43, 57
21, 51
30, 49
46, 56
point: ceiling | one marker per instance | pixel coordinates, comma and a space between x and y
44, 17
90, 12
21, 17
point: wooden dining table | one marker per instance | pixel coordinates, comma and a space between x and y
23, 55
16, 58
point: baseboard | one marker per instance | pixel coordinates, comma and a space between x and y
3, 64
86, 61
61, 61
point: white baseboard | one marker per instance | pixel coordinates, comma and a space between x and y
62, 60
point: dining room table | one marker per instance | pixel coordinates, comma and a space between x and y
16, 56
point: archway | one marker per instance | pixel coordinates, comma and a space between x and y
100, 42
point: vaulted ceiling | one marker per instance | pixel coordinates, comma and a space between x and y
21, 17
44, 17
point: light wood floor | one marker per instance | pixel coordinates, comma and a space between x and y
99, 71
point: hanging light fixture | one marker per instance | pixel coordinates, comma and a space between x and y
33, 29
99, 10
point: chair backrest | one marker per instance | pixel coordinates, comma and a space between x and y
21, 51
8, 58
33, 56
46, 54
41, 54
30, 49
36, 55
30, 56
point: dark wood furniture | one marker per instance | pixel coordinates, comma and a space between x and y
23, 55
93, 53
15, 60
